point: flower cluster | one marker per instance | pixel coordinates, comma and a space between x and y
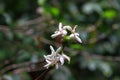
63, 32
55, 58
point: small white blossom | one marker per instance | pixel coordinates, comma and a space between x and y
55, 58
60, 31
75, 35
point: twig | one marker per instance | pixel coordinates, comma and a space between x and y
27, 66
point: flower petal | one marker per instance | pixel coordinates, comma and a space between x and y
52, 49
56, 34
48, 61
71, 35
67, 27
47, 65
77, 34
64, 32
66, 57
45, 56
60, 26
62, 60
74, 28
78, 39
58, 50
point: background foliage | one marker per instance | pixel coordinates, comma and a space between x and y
26, 26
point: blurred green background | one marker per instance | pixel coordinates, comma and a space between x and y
26, 27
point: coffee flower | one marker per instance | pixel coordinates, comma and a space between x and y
55, 58
60, 31
75, 35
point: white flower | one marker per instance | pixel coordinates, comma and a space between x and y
55, 58
75, 35
60, 31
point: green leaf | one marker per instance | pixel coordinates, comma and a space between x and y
41, 2
110, 14
105, 68
8, 18
76, 46
2, 55
54, 11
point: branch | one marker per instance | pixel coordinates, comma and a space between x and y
27, 66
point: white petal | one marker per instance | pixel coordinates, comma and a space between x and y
45, 56
76, 34
78, 39
52, 49
67, 27
66, 57
56, 66
74, 28
47, 65
64, 32
48, 61
71, 35
60, 26
58, 50
62, 60
56, 34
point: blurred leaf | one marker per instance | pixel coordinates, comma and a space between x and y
24, 56
41, 53
55, 11
20, 35
62, 74
117, 78
41, 2
106, 69
99, 49
1, 8
8, 18
109, 14
16, 77
90, 7
27, 41
92, 65
9, 36
108, 47
76, 46
7, 77
2, 55
22, 21
73, 9
34, 58
24, 76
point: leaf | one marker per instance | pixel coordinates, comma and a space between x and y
8, 18
2, 55
90, 7
9, 36
55, 11
76, 46
105, 68
109, 14
41, 2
